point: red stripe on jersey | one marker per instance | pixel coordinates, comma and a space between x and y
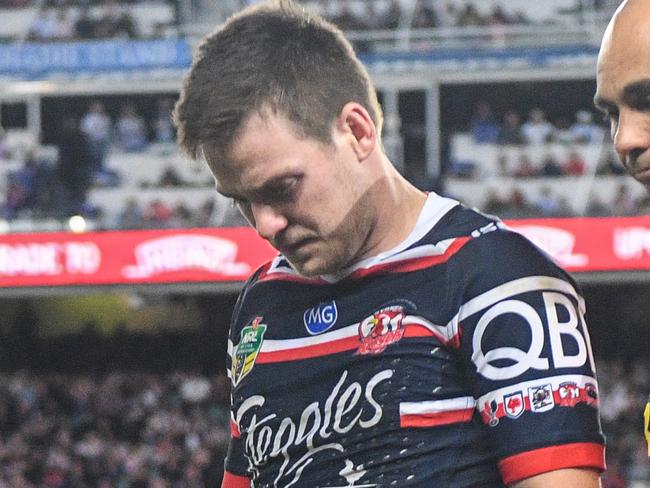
331, 347
234, 429
296, 278
435, 419
398, 266
233, 481
413, 264
577, 455
306, 352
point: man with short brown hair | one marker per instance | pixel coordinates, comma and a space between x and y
399, 339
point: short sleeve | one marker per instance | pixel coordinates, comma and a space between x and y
526, 353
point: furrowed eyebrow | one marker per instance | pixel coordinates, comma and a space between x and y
264, 188
637, 91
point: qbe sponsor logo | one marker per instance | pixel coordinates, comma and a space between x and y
563, 322
320, 318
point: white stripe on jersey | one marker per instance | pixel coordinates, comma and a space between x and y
272, 345
436, 406
513, 288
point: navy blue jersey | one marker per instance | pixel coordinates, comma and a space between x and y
460, 358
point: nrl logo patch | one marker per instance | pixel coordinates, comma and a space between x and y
245, 353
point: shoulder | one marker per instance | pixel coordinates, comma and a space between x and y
493, 255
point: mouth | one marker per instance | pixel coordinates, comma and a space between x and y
296, 247
643, 176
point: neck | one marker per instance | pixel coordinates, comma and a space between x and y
398, 205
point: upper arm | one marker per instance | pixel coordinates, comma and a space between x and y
526, 350
562, 478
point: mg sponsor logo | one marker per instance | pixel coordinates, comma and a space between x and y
559, 243
320, 318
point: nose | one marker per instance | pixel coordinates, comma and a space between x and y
267, 220
631, 136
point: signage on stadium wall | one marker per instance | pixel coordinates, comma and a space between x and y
131, 257
37, 61
33, 61
232, 254
592, 244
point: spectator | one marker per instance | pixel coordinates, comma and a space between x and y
483, 125
75, 165
205, 215
596, 207
116, 22
164, 130
551, 167
624, 202
494, 204
391, 18
44, 26
510, 131
525, 167
584, 130
97, 128
158, 215
4, 150
131, 130
516, 206
498, 16
85, 26
131, 216
448, 15
65, 24
170, 178
347, 19
547, 204
537, 130
470, 16
563, 134
575, 165
424, 15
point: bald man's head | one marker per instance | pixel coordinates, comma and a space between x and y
623, 85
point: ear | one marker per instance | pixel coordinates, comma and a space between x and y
356, 126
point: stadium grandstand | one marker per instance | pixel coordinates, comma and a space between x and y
120, 264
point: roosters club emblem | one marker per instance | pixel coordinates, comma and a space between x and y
381, 329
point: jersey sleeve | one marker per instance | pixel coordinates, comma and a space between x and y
527, 357
236, 464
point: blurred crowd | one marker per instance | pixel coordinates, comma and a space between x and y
485, 127
624, 389
116, 430
45, 188
170, 430
420, 14
112, 20
516, 204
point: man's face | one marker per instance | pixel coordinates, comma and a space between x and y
623, 92
304, 197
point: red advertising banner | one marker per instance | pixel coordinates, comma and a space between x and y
133, 257
592, 244
231, 254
